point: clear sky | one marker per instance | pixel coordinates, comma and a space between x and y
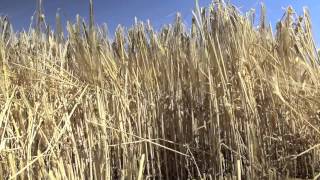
114, 12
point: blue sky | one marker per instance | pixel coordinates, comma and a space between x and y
114, 12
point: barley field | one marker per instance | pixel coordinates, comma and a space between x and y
221, 98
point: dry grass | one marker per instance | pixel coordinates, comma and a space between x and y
223, 100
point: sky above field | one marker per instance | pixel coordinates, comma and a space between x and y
114, 12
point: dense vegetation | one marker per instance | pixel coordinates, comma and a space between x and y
219, 99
